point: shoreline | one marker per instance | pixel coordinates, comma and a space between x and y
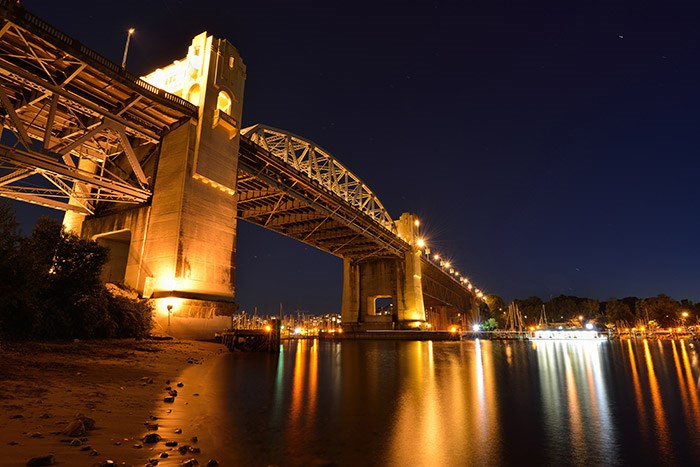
119, 383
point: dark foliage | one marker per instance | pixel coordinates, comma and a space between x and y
51, 287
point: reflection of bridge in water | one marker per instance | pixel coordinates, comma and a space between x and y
158, 170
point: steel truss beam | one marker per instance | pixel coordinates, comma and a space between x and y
318, 165
81, 127
297, 205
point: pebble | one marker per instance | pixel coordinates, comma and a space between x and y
16, 416
94, 453
194, 439
151, 438
173, 392
178, 431
86, 448
171, 444
169, 399
164, 455
151, 426
213, 463
190, 463
48, 459
76, 442
180, 384
74, 428
13, 443
138, 446
36, 435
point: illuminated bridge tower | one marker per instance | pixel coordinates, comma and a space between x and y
397, 278
180, 250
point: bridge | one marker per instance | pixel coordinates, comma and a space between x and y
159, 170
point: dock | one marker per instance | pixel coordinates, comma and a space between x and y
253, 340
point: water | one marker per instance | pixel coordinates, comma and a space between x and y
459, 403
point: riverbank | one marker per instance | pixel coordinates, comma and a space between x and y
120, 384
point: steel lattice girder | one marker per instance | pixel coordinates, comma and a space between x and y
318, 165
278, 196
79, 122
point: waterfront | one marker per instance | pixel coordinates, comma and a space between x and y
628, 402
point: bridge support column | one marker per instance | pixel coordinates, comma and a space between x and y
397, 278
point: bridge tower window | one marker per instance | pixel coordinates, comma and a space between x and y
223, 103
193, 94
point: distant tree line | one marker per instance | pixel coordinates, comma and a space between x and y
661, 310
50, 287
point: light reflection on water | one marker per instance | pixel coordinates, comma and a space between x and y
461, 403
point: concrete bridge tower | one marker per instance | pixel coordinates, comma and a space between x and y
397, 278
180, 249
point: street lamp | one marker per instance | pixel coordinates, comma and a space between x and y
170, 312
126, 47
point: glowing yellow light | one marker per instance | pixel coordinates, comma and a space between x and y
131, 31
340, 330
428, 325
436, 257
580, 317
416, 223
453, 328
642, 328
531, 328
268, 328
421, 243
447, 265
685, 314
469, 286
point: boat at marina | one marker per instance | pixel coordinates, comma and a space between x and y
578, 334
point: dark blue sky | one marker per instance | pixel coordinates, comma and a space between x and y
548, 150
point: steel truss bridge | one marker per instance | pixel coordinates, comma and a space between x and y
85, 134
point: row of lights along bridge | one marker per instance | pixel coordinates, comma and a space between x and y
446, 265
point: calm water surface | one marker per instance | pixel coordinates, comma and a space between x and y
461, 403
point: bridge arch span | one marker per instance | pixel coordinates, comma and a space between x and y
319, 165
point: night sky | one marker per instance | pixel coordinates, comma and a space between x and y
547, 149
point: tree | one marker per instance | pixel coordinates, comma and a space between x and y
530, 307
589, 307
489, 325
495, 303
51, 287
617, 311
662, 309
562, 308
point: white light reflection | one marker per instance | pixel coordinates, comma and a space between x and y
575, 399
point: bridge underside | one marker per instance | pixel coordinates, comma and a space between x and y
83, 129
276, 196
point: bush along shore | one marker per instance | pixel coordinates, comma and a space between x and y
52, 288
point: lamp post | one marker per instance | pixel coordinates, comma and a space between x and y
126, 47
170, 311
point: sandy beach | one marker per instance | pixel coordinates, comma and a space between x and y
120, 384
